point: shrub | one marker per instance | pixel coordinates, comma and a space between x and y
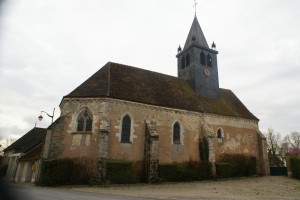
224, 170
122, 172
295, 166
66, 172
169, 172
194, 170
186, 171
240, 165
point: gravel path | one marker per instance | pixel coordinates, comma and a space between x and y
268, 187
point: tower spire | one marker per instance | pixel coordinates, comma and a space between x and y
197, 63
195, 35
195, 6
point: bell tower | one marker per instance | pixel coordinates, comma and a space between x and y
197, 63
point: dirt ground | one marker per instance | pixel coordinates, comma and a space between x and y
269, 187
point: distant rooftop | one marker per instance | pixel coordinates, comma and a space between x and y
28, 141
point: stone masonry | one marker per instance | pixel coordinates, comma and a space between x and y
102, 151
151, 152
151, 135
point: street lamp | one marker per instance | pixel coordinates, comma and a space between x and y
43, 155
41, 116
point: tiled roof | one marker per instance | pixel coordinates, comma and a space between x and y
143, 86
28, 141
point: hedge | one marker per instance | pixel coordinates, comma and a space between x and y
224, 170
295, 166
186, 171
235, 165
66, 172
122, 172
169, 172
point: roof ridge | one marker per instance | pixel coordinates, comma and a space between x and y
142, 69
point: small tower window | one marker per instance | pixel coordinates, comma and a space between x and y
193, 38
84, 121
187, 59
182, 62
220, 135
176, 133
202, 58
209, 60
126, 128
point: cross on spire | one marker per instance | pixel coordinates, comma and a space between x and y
195, 6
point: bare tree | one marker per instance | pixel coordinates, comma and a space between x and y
273, 141
4, 143
293, 141
275, 151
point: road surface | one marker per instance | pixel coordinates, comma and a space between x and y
31, 192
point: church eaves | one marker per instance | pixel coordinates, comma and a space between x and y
195, 35
143, 86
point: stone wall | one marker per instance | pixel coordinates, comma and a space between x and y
55, 139
239, 134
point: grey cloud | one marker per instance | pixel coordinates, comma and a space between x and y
50, 47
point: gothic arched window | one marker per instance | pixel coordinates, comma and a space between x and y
176, 133
187, 60
202, 58
209, 60
84, 121
126, 129
182, 62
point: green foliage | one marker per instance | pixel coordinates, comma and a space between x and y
235, 165
122, 172
3, 170
203, 149
186, 171
66, 172
295, 166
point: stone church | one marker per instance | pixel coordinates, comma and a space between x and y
127, 113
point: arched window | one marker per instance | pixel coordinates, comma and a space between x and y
84, 121
220, 135
202, 58
187, 60
176, 133
209, 60
182, 62
126, 128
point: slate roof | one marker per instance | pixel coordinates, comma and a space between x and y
138, 85
197, 33
28, 141
33, 154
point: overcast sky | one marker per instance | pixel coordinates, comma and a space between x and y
49, 47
